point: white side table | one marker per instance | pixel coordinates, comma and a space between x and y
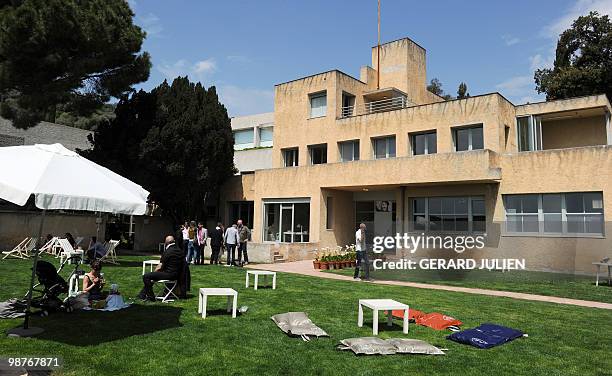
599, 265
382, 305
257, 273
151, 263
232, 299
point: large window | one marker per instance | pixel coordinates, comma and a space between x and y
529, 132
290, 157
579, 213
424, 143
468, 138
318, 104
242, 210
265, 136
384, 147
449, 214
286, 222
318, 154
243, 139
349, 150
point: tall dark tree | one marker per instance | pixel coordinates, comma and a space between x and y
435, 86
176, 141
583, 62
75, 53
462, 91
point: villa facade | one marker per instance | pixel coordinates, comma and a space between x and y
534, 179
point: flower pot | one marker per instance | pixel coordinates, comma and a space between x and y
316, 264
324, 265
331, 265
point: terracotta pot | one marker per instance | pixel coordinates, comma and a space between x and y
316, 264
324, 265
331, 265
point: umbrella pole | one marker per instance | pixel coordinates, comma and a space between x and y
26, 330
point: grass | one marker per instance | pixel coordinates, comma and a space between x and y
542, 283
171, 339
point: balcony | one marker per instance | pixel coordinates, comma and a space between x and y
381, 100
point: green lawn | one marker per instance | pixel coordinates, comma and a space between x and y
551, 284
171, 339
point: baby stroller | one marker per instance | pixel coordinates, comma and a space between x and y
53, 285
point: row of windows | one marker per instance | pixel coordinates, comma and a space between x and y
245, 138
465, 138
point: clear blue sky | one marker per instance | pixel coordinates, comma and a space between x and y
245, 47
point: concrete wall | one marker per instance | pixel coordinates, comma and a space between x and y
567, 133
15, 226
150, 231
44, 133
253, 159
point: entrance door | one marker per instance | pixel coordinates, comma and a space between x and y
379, 217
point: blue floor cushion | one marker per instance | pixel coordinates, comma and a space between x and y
486, 336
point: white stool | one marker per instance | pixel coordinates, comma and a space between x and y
257, 273
151, 263
232, 299
167, 294
382, 305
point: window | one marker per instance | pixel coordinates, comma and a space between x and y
318, 105
348, 104
449, 214
243, 139
265, 136
424, 143
578, 213
286, 222
318, 154
468, 138
290, 157
242, 210
349, 150
329, 221
529, 133
384, 147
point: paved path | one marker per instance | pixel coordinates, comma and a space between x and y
305, 268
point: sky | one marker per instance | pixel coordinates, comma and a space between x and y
244, 48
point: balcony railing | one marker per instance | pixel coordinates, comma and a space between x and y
383, 105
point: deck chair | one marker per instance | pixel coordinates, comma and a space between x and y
110, 256
78, 241
21, 250
67, 251
51, 247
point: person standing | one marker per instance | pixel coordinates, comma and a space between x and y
201, 236
184, 236
231, 240
244, 235
216, 242
362, 254
191, 242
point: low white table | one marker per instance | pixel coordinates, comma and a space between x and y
257, 273
232, 299
599, 265
151, 263
382, 305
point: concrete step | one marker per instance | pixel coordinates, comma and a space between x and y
278, 258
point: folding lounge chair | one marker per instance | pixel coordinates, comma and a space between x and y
52, 247
21, 250
110, 256
67, 251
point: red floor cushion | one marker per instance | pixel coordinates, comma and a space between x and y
438, 321
413, 314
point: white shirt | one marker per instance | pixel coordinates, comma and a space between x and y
359, 242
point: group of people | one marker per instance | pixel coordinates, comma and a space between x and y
232, 239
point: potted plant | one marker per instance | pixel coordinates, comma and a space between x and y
324, 260
316, 263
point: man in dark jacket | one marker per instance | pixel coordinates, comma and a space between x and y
169, 268
216, 242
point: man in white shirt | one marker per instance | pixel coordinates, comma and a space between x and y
362, 254
231, 241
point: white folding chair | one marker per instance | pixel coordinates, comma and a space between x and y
52, 247
78, 241
110, 256
167, 293
21, 250
68, 251
74, 284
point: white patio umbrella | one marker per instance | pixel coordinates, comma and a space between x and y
61, 179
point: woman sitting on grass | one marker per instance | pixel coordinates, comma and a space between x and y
93, 282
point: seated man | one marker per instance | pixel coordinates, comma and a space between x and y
96, 249
168, 268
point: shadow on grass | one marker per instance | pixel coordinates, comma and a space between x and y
90, 328
124, 264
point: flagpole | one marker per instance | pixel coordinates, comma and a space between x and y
378, 51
